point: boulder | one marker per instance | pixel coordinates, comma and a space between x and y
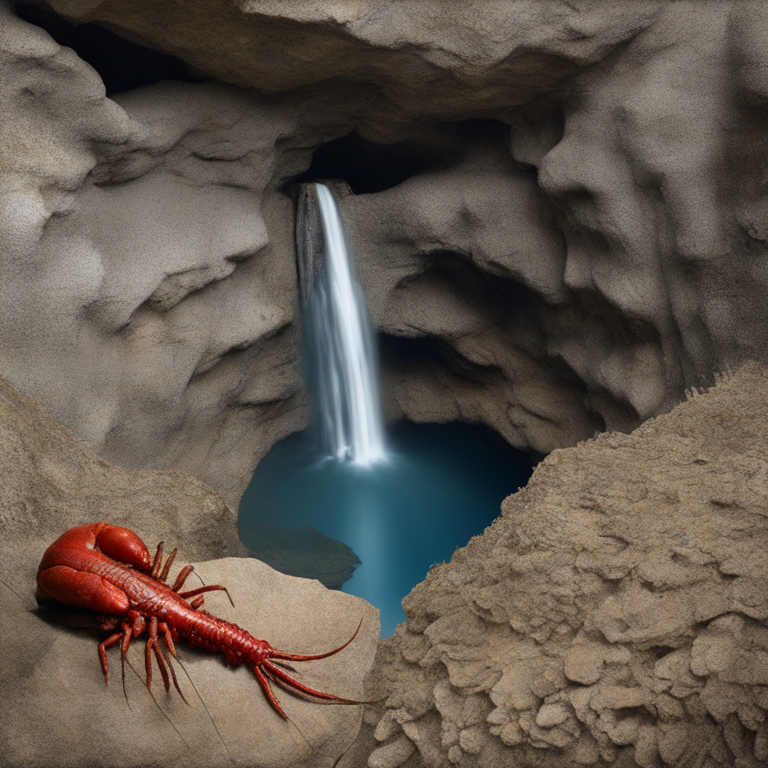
615, 614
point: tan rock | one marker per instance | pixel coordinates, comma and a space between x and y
671, 689
55, 709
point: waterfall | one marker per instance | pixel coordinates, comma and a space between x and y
338, 335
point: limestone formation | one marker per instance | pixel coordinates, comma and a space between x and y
615, 614
561, 228
404, 60
145, 300
55, 709
593, 257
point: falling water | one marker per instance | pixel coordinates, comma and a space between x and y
339, 337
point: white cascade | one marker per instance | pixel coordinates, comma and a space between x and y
347, 397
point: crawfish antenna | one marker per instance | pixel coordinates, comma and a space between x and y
213, 722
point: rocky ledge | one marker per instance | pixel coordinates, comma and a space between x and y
614, 615
55, 710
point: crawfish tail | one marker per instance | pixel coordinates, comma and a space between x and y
203, 630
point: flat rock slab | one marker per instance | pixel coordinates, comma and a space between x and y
56, 711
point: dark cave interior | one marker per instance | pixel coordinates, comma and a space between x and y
121, 64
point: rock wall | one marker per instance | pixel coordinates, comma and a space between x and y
147, 302
577, 237
615, 614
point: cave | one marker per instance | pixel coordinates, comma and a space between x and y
368, 167
121, 63
558, 224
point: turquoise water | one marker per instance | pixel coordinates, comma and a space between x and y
443, 484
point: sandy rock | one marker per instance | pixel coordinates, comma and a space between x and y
457, 59
55, 709
52, 481
150, 294
652, 652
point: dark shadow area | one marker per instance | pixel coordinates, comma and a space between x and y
121, 64
369, 167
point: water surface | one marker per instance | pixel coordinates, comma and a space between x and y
443, 484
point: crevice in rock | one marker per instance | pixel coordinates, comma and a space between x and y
369, 167
400, 351
121, 64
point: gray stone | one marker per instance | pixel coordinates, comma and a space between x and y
568, 266
158, 310
56, 709
403, 59
305, 552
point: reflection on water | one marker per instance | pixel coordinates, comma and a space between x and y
442, 485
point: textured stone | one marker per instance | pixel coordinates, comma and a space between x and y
158, 304
583, 663
55, 709
648, 686
570, 260
585, 244
458, 60
551, 714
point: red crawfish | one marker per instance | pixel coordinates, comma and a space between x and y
108, 570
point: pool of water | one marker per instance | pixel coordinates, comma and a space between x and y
384, 525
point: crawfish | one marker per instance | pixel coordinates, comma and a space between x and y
108, 569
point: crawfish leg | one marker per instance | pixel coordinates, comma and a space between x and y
182, 577
167, 566
129, 630
267, 688
290, 684
108, 643
153, 645
208, 588
158, 561
166, 630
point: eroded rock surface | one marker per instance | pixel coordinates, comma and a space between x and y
406, 60
591, 255
55, 709
615, 614
561, 229
147, 302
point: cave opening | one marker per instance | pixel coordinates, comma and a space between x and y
369, 167
121, 64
